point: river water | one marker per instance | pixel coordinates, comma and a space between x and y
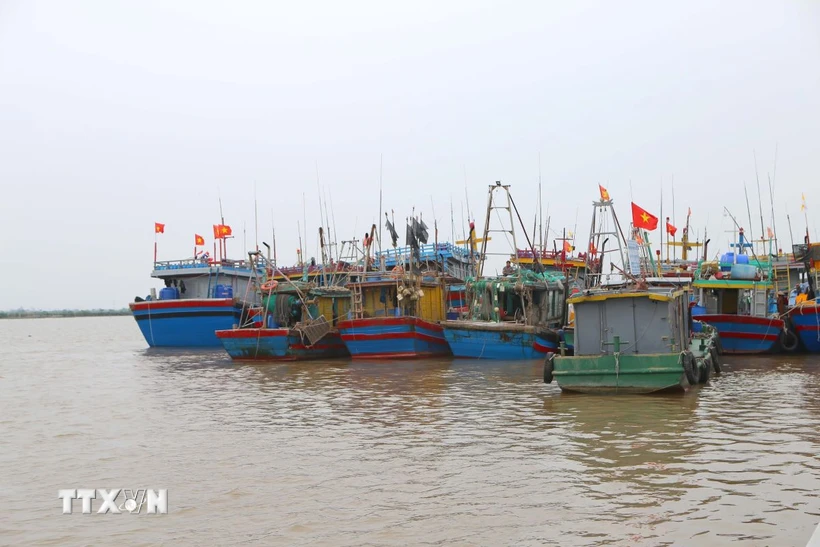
439, 452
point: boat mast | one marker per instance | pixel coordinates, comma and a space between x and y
760, 204
381, 165
540, 209
771, 199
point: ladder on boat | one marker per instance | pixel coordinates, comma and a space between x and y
358, 304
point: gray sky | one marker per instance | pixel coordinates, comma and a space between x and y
114, 115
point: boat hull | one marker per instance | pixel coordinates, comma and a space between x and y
806, 321
393, 337
494, 341
278, 345
742, 334
629, 373
185, 323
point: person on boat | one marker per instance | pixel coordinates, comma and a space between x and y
509, 269
782, 303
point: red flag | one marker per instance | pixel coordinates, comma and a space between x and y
567, 247
641, 218
771, 234
670, 229
159, 228
221, 231
199, 240
592, 250
604, 193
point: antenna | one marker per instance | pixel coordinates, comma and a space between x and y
749, 211
660, 247
304, 226
222, 249
466, 195
452, 221
759, 202
301, 251
273, 234
674, 220
381, 166
255, 220
540, 208
771, 195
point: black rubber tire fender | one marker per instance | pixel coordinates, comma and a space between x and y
789, 340
719, 345
715, 360
690, 368
549, 367
705, 369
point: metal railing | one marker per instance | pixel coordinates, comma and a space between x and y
429, 252
189, 263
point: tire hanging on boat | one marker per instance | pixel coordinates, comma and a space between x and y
715, 360
705, 369
549, 367
789, 340
719, 345
690, 368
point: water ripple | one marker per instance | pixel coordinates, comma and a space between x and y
437, 452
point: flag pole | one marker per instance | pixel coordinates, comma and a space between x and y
155, 247
660, 248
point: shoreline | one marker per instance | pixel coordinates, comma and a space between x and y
64, 314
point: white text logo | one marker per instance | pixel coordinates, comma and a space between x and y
117, 500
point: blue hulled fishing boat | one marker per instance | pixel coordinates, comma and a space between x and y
514, 316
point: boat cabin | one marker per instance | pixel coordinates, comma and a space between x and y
382, 294
728, 288
649, 321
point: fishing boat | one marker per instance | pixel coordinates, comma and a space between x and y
634, 338
396, 309
200, 296
514, 316
395, 315
804, 315
737, 296
291, 324
634, 341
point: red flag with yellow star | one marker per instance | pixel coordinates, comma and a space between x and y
199, 240
159, 228
641, 218
604, 193
221, 231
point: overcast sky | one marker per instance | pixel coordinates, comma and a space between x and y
116, 115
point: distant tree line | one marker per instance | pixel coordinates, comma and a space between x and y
29, 314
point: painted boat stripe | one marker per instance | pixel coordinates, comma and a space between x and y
388, 321
192, 303
251, 333
749, 336
740, 319
172, 315
392, 336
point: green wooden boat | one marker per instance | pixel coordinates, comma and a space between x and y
634, 341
